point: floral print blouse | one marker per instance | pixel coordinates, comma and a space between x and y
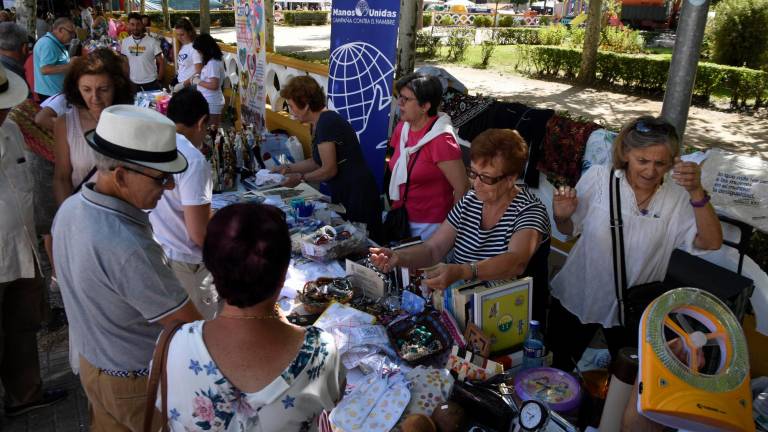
200, 398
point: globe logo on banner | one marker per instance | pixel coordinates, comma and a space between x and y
359, 82
361, 8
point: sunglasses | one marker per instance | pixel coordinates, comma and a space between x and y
646, 127
472, 174
162, 180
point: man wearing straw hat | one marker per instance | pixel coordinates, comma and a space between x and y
21, 286
117, 288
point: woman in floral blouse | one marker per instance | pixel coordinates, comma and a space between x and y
249, 369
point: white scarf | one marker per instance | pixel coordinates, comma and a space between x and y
400, 171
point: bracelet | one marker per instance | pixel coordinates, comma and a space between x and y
702, 202
473, 267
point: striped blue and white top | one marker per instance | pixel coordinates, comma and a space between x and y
474, 243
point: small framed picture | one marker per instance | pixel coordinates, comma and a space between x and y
502, 313
477, 342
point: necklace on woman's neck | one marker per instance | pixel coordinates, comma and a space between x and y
274, 314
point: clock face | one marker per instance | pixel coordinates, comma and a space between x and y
531, 415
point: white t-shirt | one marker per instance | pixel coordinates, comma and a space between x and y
141, 58
186, 60
213, 69
58, 103
193, 187
585, 285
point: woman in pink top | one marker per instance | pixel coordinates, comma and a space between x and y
425, 145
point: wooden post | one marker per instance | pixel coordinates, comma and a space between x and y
269, 13
205, 16
142, 6
166, 16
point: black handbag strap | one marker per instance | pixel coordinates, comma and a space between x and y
617, 242
408, 175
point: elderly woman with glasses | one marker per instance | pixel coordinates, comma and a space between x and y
494, 230
659, 214
426, 156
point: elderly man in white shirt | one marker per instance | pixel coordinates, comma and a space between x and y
21, 287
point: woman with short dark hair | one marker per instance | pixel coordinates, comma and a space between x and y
659, 214
337, 157
93, 83
426, 154
494, 230
248, 368
211, 75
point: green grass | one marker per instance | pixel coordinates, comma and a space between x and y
504, 58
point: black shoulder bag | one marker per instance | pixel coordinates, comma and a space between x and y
634, 300
396, 225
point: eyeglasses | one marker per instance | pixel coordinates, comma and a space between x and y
472, 174
405, 99
162, 180
71, 32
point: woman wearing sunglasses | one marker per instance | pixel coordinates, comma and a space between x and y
494, 230
659, 214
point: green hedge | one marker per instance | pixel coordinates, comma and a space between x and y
483, 21
426, 20
518, 36
306, 17
226, 18
639, 72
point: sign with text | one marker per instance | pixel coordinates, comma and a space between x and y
252, 56
361, 71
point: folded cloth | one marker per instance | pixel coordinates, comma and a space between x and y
374, 406
564, 145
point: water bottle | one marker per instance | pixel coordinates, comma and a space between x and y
533, 347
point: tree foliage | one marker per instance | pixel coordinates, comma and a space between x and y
738, 33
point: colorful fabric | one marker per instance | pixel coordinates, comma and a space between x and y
201, 398
38, 139
463, 107
429, 388
564, 145
374, 406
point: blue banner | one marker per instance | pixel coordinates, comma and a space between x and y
361, 71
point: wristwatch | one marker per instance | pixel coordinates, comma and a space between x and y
534, 416
473, 268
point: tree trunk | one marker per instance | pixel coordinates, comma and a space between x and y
269, 13
205, 17
142, 6
127, 6
166, 16
26, 12
591, 43
406, 46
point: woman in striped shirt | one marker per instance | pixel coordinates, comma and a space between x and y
495, 229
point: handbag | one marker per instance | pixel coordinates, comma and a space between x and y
483, 405
632, 301
158, 378
396, 224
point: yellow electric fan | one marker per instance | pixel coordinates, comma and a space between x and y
714, 393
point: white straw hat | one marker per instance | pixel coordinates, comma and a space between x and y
13, 89
137, 135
